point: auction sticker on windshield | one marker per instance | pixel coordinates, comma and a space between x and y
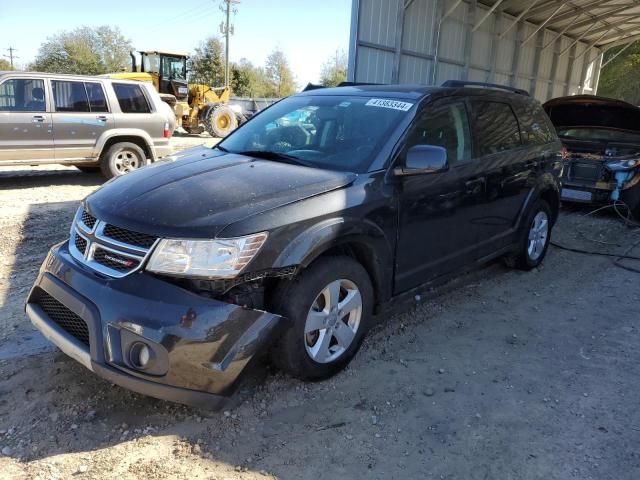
385, 103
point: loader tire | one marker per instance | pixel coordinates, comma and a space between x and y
220, 121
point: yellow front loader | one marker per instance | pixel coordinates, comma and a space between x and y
198, 107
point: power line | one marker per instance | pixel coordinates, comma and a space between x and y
11, 56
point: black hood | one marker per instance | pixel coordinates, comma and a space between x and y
592, 111
200, 194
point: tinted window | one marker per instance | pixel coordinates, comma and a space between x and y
22, 95
534, 126
131, 98
97, 100
496, 127
69, 96
447, 127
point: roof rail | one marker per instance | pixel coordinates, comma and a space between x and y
464, 83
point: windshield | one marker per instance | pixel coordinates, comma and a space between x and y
151, 62
173, 68
599, 134
330, 132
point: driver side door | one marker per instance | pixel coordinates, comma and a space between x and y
437, 234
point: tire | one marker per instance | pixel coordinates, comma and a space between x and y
194, 130
240, 118
122, 158
531, 251
220, 121
295, 299
86, 169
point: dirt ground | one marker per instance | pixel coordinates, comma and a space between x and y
502, 375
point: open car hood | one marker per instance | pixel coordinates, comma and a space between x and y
593, 111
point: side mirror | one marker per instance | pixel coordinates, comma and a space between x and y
423, 159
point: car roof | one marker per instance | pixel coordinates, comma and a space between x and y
412, 91
68, 76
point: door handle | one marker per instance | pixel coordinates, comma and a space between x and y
474, 186
38, 119
102, 118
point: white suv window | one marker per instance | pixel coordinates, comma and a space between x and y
70, 96
22, 95
131, 98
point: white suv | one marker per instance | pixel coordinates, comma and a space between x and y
92, 123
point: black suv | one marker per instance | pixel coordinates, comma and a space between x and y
290, 234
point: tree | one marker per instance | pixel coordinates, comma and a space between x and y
334, 70
4, 65
279, 77
207, 63
85, 50
247, 80
619, 79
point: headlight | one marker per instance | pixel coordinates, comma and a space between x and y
219, 258
622, 164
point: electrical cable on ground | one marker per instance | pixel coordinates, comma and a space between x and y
629, 221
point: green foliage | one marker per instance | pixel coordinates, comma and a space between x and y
4, 65
334, 70
85, 51
279, 77
619, 79
207, 63
247, 80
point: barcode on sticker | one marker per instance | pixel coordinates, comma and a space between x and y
384, 103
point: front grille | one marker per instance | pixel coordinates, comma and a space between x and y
129, 236
65, 318
81, 244
115, 261
88, 219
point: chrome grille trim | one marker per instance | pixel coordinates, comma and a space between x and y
96, 240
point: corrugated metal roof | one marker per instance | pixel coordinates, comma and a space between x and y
599, 23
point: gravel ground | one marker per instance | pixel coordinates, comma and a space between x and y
500, 375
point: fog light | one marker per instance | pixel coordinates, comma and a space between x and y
140, 355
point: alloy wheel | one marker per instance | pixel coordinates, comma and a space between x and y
538, 235
333, 321
126, 160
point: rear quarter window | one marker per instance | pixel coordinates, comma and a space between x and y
131, 98
535, 127
496, 127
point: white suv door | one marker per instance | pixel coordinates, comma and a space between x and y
25, 122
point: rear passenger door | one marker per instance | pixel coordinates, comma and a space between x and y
81, 115
25, 122
507, 167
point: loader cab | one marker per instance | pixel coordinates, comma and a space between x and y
169, 72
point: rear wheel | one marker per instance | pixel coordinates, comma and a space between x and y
533, 245
330, 307
220, 121
122, 158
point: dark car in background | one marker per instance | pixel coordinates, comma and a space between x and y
288, 236
601, 137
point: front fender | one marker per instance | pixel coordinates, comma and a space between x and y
367, 240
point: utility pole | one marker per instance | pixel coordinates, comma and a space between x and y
11, 56
226, 28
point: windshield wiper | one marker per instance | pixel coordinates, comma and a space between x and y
221, 148
275, 156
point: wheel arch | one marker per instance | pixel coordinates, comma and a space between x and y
360, 240
141, 139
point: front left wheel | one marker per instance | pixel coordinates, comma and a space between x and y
329, 306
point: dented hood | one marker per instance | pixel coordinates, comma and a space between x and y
200, 194
592, 111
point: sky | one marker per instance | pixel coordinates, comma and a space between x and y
308, 31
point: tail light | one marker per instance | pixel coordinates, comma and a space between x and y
165, 134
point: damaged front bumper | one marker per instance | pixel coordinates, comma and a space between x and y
196, 347
593, 181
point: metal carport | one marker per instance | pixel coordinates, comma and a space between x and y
549, 47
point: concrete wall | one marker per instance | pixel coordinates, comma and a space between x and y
392, 45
